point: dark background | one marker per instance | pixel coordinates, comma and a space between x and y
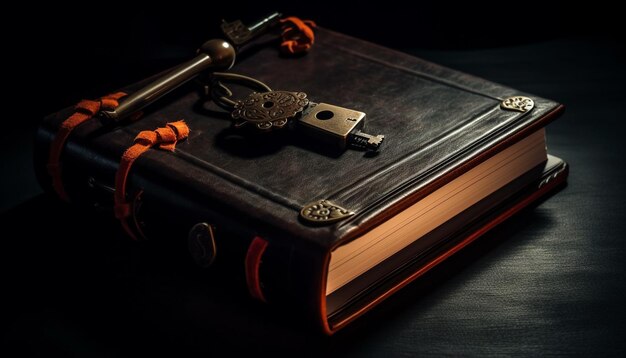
63, 57
109, 46
550, 281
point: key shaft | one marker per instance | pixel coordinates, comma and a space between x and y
217, 55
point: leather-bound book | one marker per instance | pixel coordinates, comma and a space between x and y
323, 234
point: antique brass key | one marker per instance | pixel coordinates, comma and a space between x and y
333, 126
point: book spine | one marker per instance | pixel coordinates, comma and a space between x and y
286, 274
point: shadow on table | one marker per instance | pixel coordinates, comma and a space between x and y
77, 285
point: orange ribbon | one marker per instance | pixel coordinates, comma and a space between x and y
298, 36
166, 138
85, 110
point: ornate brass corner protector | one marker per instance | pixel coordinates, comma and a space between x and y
517, 103
324, 212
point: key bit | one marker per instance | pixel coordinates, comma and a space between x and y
239, 34
364, 141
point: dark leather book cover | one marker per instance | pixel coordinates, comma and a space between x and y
438, 124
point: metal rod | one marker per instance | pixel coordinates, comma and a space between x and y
215, 54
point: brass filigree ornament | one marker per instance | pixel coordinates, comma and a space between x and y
269, 110
517, 103
324, 212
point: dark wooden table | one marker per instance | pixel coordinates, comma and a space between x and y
550, 281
